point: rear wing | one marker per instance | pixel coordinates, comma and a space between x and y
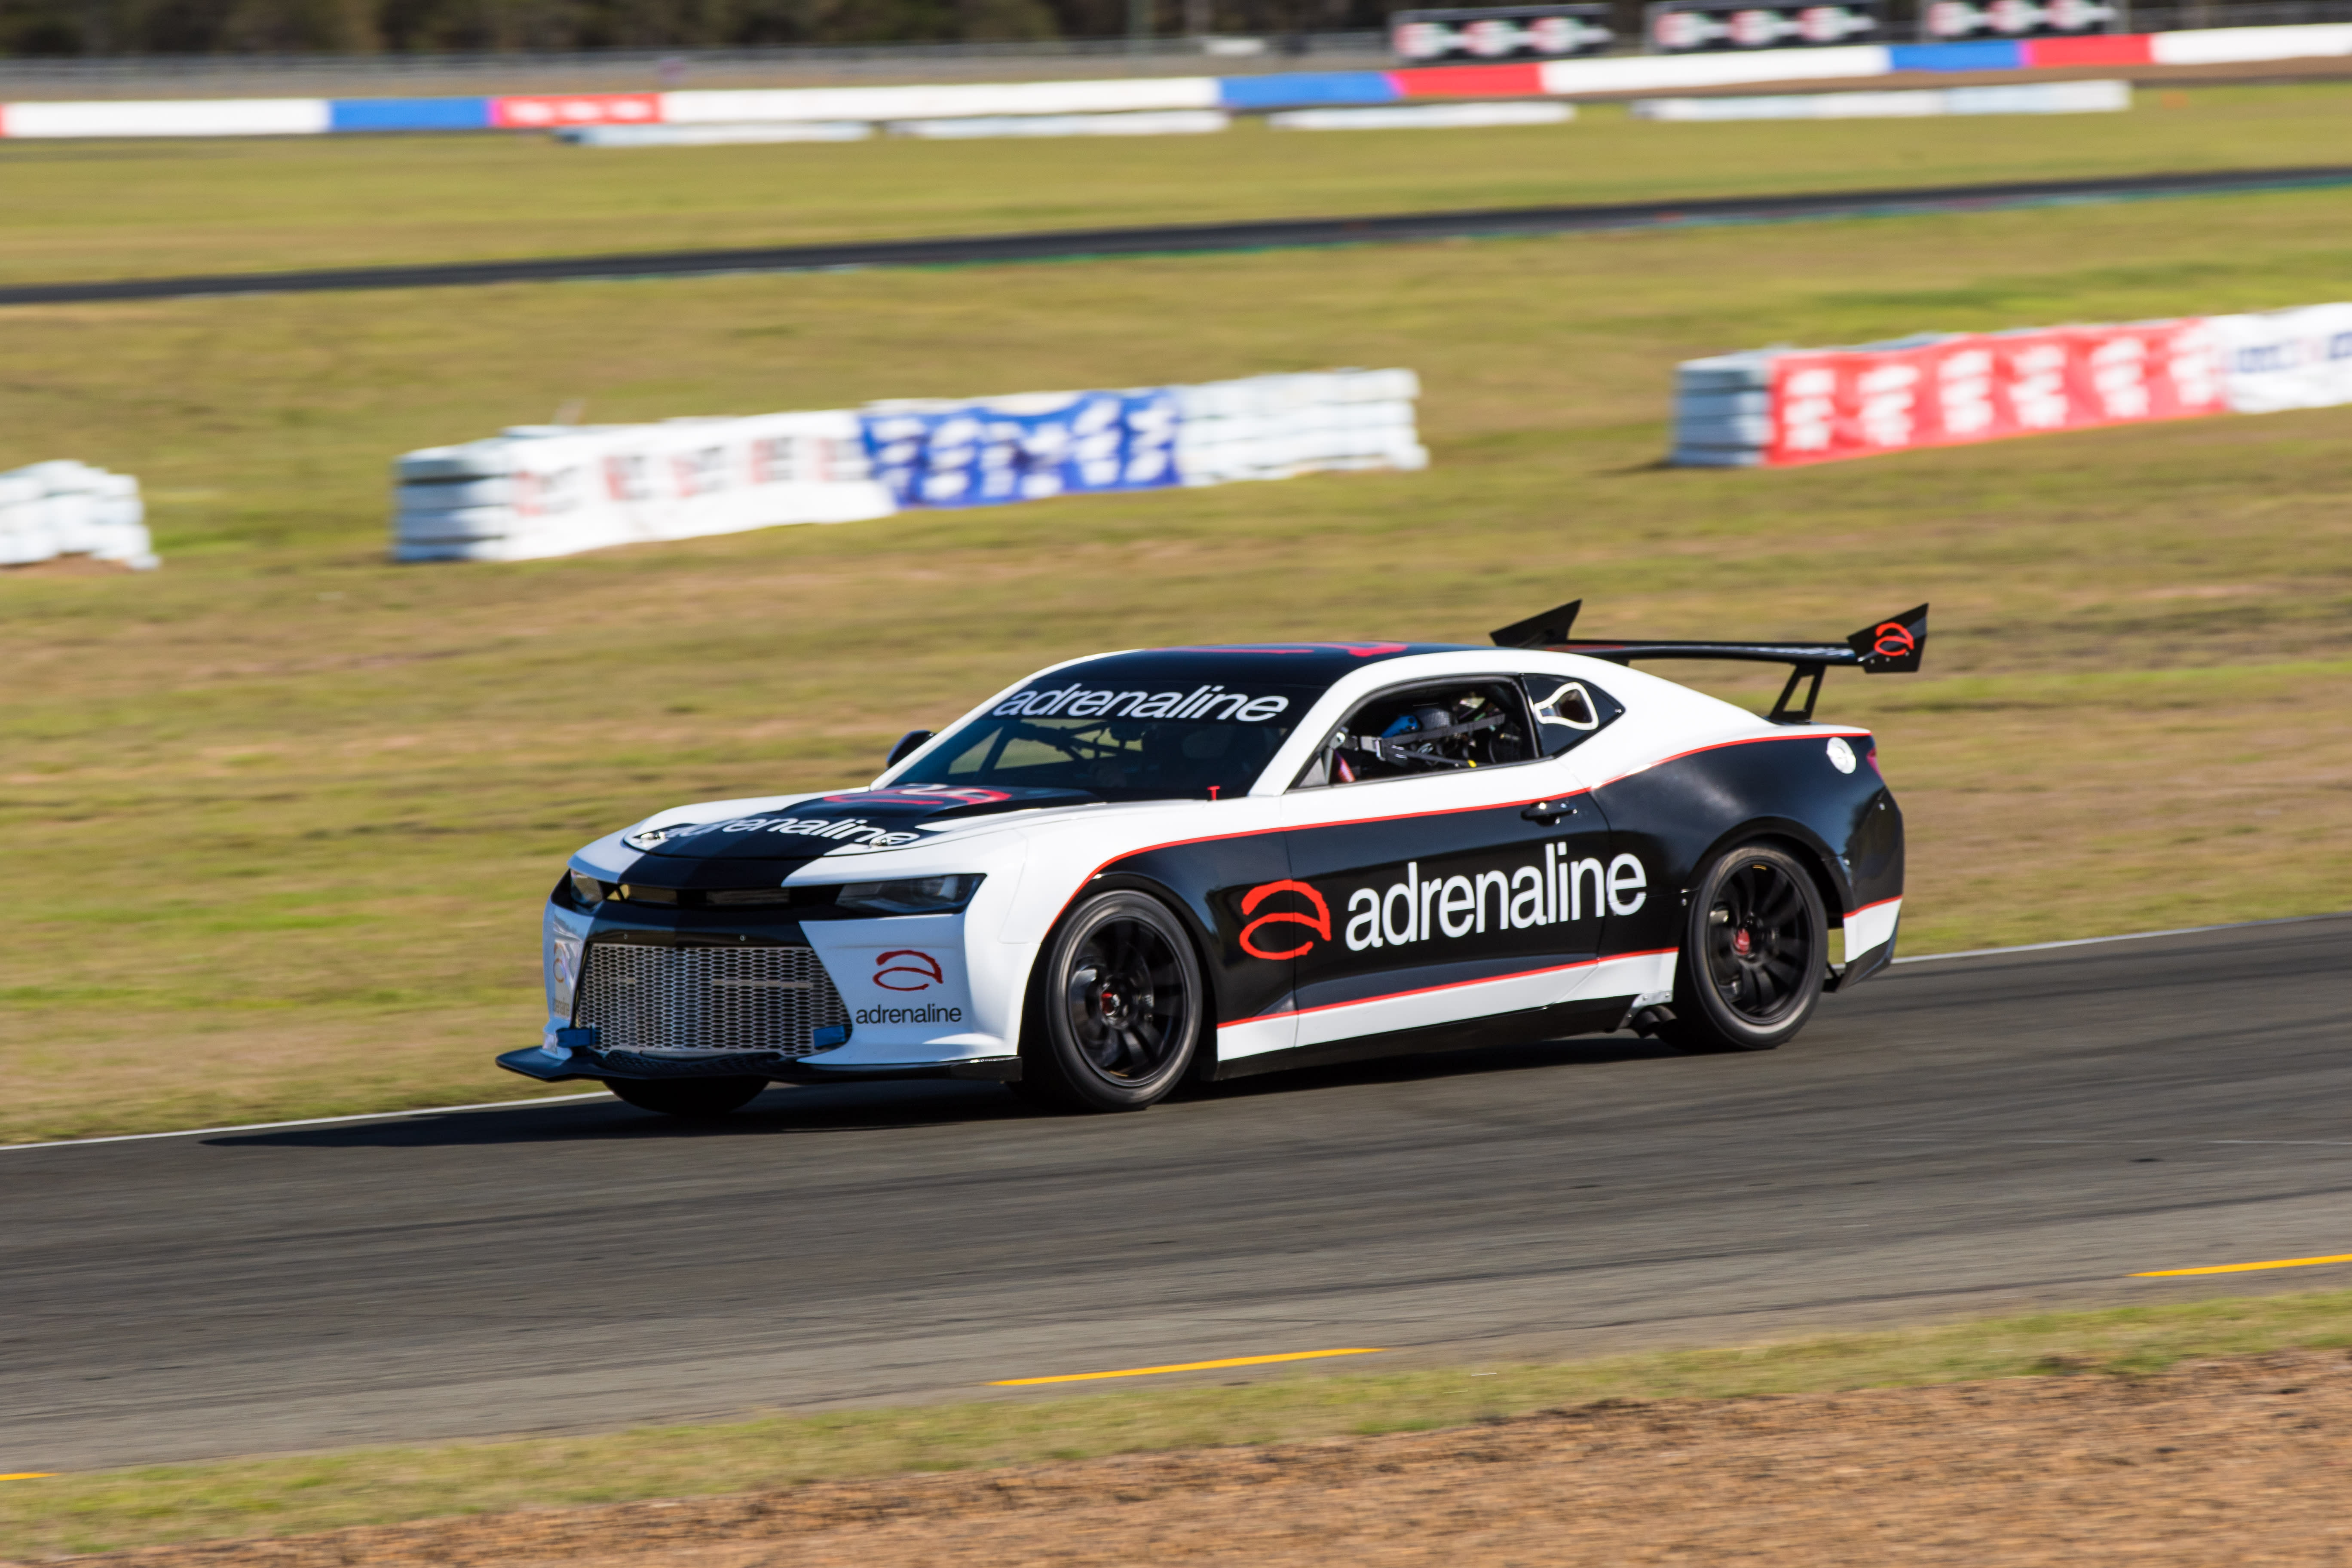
1892, 646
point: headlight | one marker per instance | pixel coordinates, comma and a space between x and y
587, 889
909, 895
563, 969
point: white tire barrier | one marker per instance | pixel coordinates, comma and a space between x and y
1166, 122
2031, 98
1278, 426
714, 135
1423, 117
1784, 408
65, 508
542, 490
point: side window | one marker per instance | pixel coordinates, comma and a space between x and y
1567, 710
1438, 727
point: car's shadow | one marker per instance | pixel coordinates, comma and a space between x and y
910, 1106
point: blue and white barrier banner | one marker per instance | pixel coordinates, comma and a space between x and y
1292, 89
2277, 360
65, 508
1022, 448
540, 490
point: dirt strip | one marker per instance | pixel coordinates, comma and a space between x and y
2245, 1461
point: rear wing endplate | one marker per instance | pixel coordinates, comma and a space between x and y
1890, 646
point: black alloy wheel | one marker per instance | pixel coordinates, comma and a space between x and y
1115, 1014
696, 1099
1755, 951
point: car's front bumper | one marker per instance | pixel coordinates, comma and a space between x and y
564, 1067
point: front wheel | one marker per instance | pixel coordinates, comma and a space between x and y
696, 1098
1117, 1007
1755, 948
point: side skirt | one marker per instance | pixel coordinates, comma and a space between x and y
1532, 1027
1861, 969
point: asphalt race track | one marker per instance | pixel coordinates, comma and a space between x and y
1174, 240
1958, 1136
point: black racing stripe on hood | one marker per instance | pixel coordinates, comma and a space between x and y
878, 818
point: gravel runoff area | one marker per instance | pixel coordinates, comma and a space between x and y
2241, 1460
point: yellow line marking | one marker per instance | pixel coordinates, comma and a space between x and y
2246, 1268
29, 1475
1180, 1366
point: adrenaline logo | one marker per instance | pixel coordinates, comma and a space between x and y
907, 970
1424, 908
1075, 701
1893, 639
1319, 921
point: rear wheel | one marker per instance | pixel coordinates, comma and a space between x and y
1755, 948
1117, 1011
696, 1097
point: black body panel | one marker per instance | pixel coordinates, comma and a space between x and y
1583, 875
1679, 815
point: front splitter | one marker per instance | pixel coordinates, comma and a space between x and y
535, 1062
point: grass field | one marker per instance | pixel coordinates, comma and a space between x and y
111, 1510
122, 209
281, 814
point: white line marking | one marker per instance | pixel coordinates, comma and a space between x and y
2127, 936
309, 1121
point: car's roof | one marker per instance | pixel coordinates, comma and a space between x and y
1293, 665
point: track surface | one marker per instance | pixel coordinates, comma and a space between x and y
1165, 239
1965, 1136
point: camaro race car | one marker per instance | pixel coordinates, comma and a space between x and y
1204, 862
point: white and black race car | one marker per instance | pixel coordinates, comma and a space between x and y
1204, 862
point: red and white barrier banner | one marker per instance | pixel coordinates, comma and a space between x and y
548, 111
1779, 407
1854, 402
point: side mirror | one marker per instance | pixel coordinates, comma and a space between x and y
906, 747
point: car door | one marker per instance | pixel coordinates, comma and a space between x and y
1444, 828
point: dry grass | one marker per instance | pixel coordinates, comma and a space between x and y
276, 1496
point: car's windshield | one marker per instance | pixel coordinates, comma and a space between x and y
1128, 727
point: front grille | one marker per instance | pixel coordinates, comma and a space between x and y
706, 999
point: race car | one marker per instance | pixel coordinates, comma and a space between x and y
1140, 868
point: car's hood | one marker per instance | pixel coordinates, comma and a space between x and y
912, 831
852, 819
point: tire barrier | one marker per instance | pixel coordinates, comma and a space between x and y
1422, 116
713, 135
540, 490
65, 508
1146, 122
2024, 98
1785, 407
1566, 78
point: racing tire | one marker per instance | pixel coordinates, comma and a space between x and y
696, 1099
1117, 1009
1754, 953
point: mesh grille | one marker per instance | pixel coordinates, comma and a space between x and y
706, 999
